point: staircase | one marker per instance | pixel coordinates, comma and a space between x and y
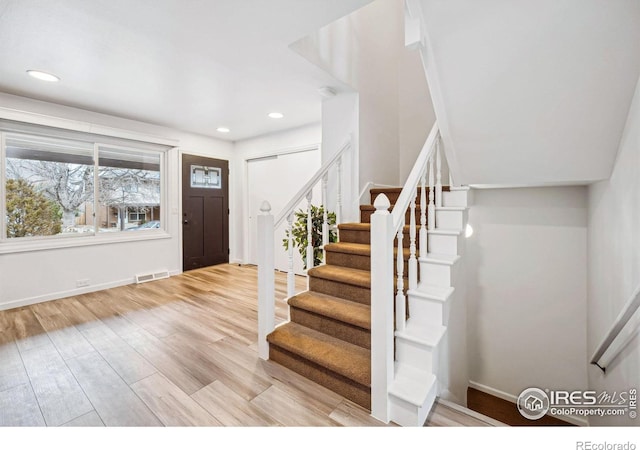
328, 338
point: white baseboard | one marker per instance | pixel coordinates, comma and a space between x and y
579, 421
71, 293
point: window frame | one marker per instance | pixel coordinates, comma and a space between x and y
34, 243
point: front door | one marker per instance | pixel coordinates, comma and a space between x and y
205, 212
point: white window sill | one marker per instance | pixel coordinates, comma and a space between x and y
36, 244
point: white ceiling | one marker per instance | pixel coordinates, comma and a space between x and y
533, 92
192, 65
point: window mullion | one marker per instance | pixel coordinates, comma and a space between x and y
96, 193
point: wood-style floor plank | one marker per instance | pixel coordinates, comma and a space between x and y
91, 419
182, 351
19, 407
12, 372
230, 409
126, 361
60, 397
26, 329
114, 401
289, 410
170, 404
66, 337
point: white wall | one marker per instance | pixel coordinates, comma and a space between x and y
362, 50
340, 122
270, 144
415, 110
527, 278
42, 275
614, 260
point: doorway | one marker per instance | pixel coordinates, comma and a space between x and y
205, 212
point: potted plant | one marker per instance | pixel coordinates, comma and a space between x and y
300, 235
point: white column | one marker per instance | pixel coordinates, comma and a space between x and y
309, 232
382, 352
291, 277
266, 277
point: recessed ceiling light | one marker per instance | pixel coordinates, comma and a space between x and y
276, 115
43, 76
223, 129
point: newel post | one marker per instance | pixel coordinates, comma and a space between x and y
266, 279
381, 308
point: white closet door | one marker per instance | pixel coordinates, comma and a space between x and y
277, 179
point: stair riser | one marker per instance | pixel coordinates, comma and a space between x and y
349, 389
337, 289
364, 237
445, 243
365, 216
361, 262
393, 195
407, 415
442, 275
430, 312
455, 198
355, 236
417, 355
332, 327
451, 220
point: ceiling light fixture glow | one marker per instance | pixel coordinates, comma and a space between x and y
276, 115
223, 129
43, 76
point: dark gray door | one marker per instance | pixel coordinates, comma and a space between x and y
205, 212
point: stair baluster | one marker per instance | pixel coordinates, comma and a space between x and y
325, 218
291, 277
400, 298
423, 213
413, 262
431, 210
339, 193
309, 231
438, 176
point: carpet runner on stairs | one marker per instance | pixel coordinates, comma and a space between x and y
328, 339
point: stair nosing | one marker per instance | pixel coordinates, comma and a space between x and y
354, 350
338, 317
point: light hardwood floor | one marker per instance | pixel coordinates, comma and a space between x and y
175, 352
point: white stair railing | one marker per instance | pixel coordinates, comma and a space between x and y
267, 225
385, 228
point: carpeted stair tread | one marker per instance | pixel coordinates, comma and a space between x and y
359, 226
348, 360
345, 275
340, 309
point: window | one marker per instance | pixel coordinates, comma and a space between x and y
59, 186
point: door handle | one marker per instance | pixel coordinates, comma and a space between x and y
186, 222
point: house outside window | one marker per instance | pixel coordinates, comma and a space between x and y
56, 187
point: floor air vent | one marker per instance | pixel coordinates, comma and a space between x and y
143, 278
